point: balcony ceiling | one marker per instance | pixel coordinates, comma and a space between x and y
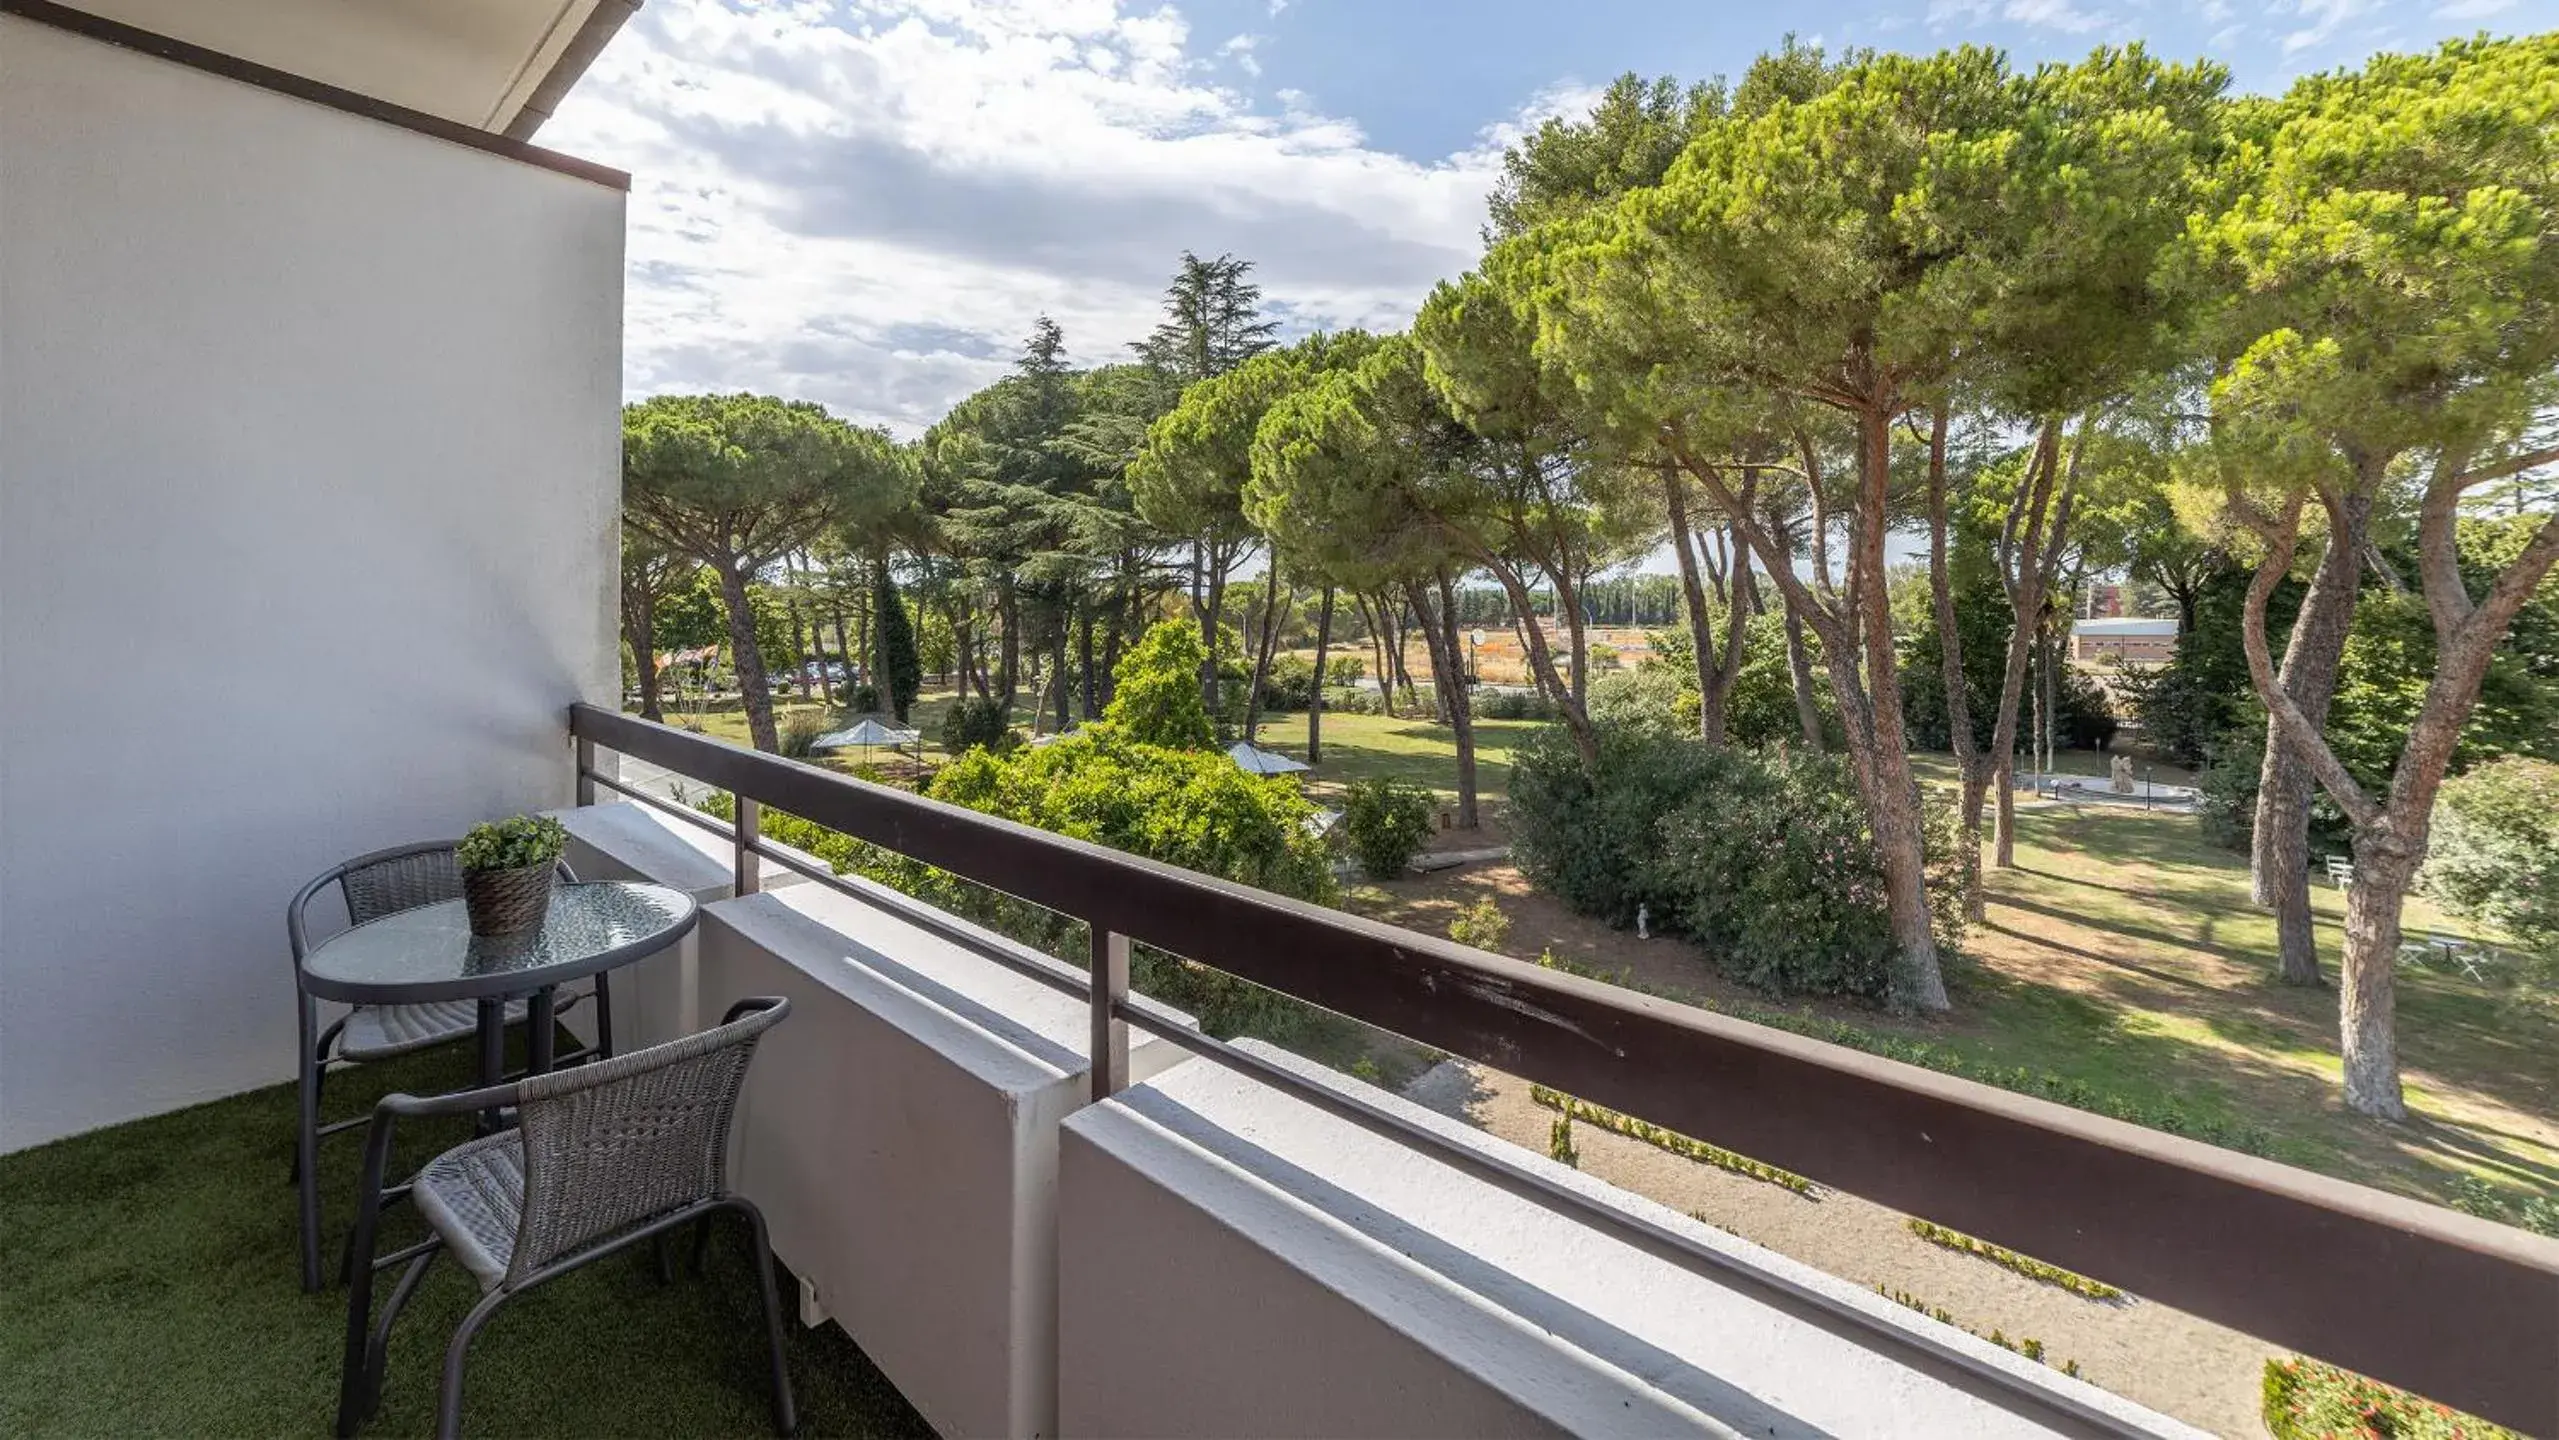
496, 65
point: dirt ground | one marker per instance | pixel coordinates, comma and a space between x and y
2199, 1372
2196, 1371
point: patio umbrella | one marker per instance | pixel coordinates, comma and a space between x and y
1259, 761
866, 735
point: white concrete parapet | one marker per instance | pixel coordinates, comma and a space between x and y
655, 999
1235, 1261
900, 1133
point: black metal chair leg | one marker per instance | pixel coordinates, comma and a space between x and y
701, 1244
306, 1171
663, 1257
603, 1047
378, 1353
786, 1414
448, 1403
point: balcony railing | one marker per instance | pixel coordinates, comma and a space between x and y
2453, 1307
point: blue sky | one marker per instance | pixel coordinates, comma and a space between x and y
866, 202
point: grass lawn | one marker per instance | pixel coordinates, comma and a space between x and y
1409, 748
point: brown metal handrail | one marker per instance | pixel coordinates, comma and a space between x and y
2451, 1306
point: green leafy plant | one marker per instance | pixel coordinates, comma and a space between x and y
1387, 821
2026, 1265
1765, 860
1482, 925
2026, 1345
512, 843
799, 736
1559, 1142
2494, 855
1155, 695
975, 724
1684, 1146
2306, 1400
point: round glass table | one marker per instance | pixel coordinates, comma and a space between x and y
429, 954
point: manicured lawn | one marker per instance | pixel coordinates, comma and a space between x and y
1409, 748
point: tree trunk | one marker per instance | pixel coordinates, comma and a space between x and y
1315, 702
1212, 613
1969, 761
2279, 838
1799, 672
640, 627
2022, 564
748, 657
1446, 660
1008, 674
1541, 661
1268, 640
1894, 808
843, 691
1084, 657
800, 633
1701, 630
2367, 998
1057, 668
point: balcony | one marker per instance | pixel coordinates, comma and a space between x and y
1019, 1201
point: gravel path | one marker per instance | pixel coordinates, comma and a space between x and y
2199, 1372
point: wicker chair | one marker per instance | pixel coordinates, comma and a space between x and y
383, 883
604, 1156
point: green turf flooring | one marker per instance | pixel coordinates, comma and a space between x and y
148, 1286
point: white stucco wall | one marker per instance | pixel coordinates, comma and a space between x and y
309, 470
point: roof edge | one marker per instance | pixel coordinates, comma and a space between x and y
602, 23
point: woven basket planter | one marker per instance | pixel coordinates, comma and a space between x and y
507, 902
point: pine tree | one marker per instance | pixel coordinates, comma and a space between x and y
901, 673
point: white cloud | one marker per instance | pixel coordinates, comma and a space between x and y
866, 204
2472, 9
1240, 50
2045, 14
2321, 20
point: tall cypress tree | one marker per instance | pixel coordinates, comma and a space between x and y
901, 672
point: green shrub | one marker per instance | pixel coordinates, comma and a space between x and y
1687, 1147
1344, 670
512, 843
1512, 705
1290, 685
2494, 857
1764, 859
1386, 821
1192, 808
1642, 699
1559, 1143
2306, 1400
975, 724
2026, 1265
799, 736
1155, 696
866, 699
1482, 925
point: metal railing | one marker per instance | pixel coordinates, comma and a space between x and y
2453, 1307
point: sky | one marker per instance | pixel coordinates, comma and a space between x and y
866, 203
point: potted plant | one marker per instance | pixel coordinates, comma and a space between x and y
507, 867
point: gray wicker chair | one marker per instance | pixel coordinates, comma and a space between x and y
604, 1156
384, 883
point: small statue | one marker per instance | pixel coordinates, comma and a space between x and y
2123, 783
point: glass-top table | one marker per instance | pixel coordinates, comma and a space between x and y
429, 954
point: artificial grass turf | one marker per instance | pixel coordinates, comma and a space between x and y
148, 1286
